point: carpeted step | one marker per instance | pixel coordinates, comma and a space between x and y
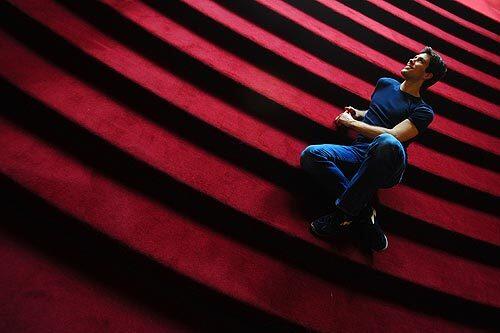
163, 86
48, 294
223, 180
312, 103
383, 12
77, 279
175, 130
408, 17
347, 82
478, 12
379, 59
225, 262
327, 49
453, 23
157, 22
396, 45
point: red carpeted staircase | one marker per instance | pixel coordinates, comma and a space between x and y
151, 180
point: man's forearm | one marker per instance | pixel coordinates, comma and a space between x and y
369, 131
363, 113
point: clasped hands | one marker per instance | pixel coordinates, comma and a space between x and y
346, 118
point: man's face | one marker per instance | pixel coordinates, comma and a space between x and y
415, 68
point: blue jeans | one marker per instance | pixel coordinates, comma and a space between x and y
352, 174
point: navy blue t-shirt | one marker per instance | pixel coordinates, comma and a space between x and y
390, 105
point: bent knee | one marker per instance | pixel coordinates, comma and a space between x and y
306, 156
389, 147
388, 140
311, 155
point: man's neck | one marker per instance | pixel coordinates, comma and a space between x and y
411, 87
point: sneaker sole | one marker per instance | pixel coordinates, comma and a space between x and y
386, 245
374, 214
329, 236
319, 236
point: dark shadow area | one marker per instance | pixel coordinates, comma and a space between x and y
392, 49
461, 114
439, 238
461, 150
418, 34
468, 14
134, 276
451, 191
139, 177
157, 51
446, 24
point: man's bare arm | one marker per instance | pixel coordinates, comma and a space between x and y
369, 131
403, 131
362, 113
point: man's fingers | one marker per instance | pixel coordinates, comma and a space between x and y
349, 109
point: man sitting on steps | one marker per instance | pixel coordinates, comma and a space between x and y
377, 158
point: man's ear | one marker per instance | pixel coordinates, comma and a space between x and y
428, 76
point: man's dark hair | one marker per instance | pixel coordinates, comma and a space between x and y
436, 66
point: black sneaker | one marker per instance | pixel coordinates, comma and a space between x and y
331, 224
372, 233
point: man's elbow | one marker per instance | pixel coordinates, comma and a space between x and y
402, 137
394, 134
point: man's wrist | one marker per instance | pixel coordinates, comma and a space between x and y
352, 123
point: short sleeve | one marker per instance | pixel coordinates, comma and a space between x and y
421, 117
380, 83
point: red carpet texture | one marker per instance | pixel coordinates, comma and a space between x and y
150, 167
